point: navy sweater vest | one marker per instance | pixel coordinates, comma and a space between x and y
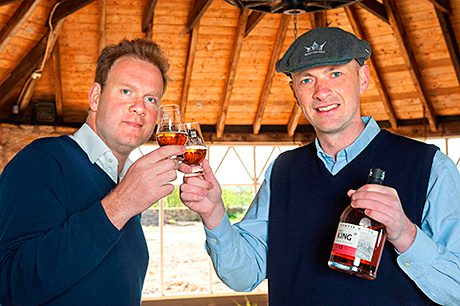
305, 207
57, 246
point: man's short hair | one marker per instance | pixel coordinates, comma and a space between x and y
140, 48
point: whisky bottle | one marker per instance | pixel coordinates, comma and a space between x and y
359, 241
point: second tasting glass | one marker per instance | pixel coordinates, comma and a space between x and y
170, 130
196, 149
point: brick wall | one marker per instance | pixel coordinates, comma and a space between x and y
15, 137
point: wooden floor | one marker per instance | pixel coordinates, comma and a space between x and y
210, 300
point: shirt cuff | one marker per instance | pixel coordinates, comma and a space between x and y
419, 256
220, 237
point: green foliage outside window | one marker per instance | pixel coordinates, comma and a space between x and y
234, 197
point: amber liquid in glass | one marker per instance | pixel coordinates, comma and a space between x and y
194, 155
171, 138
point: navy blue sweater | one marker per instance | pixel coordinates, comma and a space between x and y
306, 204
57, 246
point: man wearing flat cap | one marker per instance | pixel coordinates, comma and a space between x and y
288, 231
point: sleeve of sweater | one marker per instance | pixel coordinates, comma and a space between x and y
43, 250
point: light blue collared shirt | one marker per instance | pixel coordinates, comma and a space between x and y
99, 153
239, 252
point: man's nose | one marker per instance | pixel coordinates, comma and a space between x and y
138, 106
321, 90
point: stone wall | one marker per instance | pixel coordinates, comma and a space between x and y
15, 137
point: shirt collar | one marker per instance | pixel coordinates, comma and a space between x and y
98, 152
90, 142
347, 154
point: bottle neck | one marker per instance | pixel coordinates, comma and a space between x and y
374, 181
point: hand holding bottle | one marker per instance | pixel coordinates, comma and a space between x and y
382, 204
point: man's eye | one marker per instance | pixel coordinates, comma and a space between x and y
336, 74
305, 81
126, 91
150, 100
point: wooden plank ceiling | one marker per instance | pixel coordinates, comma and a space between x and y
222, 62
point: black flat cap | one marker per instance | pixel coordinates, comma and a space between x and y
323, 47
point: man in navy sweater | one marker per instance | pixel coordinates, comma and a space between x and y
70, 231
288, 231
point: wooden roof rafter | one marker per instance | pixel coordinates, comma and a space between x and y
353, 18
57, 81
253, 19
294, 119
31, 82
376, 8
102, 23
263, 100
5, 2
23, 69
196, 12
68, 7
318, 19
193, 24
231, 74
147, 18
411, 63
442, 5
448, 33
16, 21
34, 57
189, 68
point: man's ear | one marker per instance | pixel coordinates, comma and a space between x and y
364, 78
293, 92
94, 96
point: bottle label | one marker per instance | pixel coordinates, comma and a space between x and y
355, 241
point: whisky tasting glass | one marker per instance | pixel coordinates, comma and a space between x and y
196, 149
170, 130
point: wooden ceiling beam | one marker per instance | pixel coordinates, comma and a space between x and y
356, 24
31, 81
318, 19
102, 23
16, 21
197, 10
450, 39
442, 5
189, 69
448, 126
34, 57
294, 119
67, 7
23, 70
5, 2
409, 58
253, 19
57, 81
263, 100
376, 8
259, 139
231, 71
147, 18
239, 4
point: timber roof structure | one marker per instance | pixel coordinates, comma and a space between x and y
223, 56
